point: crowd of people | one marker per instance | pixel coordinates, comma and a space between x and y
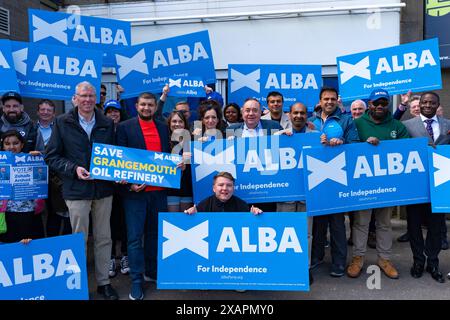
127, 213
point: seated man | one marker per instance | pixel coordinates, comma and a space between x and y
223, 199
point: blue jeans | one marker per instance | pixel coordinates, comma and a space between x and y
141, 214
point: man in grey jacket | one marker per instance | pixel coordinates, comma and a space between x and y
436, 129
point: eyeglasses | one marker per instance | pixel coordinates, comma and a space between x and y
103, 93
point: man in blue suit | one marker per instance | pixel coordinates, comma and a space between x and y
142, 203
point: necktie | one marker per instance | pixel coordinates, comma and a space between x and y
429, 128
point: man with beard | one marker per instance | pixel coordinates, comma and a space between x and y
15, 118
375, 125
142, 203
275, 104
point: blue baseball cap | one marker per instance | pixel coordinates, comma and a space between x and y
112, 104
379, 94
215, 96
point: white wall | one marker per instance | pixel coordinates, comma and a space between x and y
313, 39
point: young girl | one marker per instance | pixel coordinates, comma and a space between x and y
179, 199
19, 213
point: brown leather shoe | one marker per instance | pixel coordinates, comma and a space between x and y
355, 267
388, 268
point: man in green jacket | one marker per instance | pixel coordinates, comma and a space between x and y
375, 125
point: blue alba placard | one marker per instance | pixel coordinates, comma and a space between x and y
232, 250
46, 269
361, 176
187, 87
46, 71
266, 169
77, 31
297, 83
115, 163
413, 66
148, 66
439, 161
8, 80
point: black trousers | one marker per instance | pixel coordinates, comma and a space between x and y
338, 239
432, 245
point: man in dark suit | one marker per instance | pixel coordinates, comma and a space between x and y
436, 129
142, 203
68, 153
253, 125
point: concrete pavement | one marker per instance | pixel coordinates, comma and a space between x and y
324, 287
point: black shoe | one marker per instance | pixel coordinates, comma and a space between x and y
311, 279
403, 238
436, 274
337, 271
108, 292
444, 244
416, 270
315, 263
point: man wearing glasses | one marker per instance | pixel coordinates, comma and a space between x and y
68, 153
374, 125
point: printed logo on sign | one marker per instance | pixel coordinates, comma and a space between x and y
3, 63
407, 61
20, 159
186, 83
333, 170
175, 83
321, 171
268, 240
170, 157
43, 268
274, 80
442, 164
250, 80
179, 239
69, 67
58, 31
184, 55
135, 63
19, 58
360, 69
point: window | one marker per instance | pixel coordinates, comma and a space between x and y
4, 21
